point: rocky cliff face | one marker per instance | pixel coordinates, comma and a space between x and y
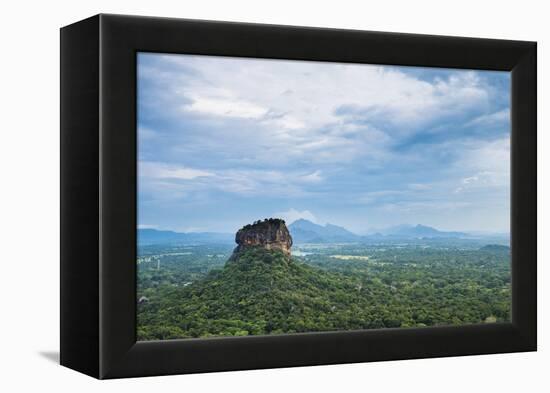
271, 234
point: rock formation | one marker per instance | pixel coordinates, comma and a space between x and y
271, 234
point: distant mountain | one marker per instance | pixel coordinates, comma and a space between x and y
420, 231
495, 248
304, 231
153, 236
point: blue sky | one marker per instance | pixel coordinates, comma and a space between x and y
226, 141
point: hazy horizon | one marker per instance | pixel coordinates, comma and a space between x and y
226, 141
368, 231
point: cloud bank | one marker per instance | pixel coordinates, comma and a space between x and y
223, 140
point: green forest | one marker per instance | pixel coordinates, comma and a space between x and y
194, 291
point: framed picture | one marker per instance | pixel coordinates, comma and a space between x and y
241, 196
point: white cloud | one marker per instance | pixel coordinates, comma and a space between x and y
481, 180
224, 103
251, 182
469, 180
299, 95
330, 113
492, 156
292, 215
314, 177
158, 170
488, 164
172, 181
491, 119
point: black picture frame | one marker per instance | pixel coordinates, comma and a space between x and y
98, 195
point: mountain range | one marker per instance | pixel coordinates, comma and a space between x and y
302, 231
419, 231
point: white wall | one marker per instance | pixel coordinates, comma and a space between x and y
29, 223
